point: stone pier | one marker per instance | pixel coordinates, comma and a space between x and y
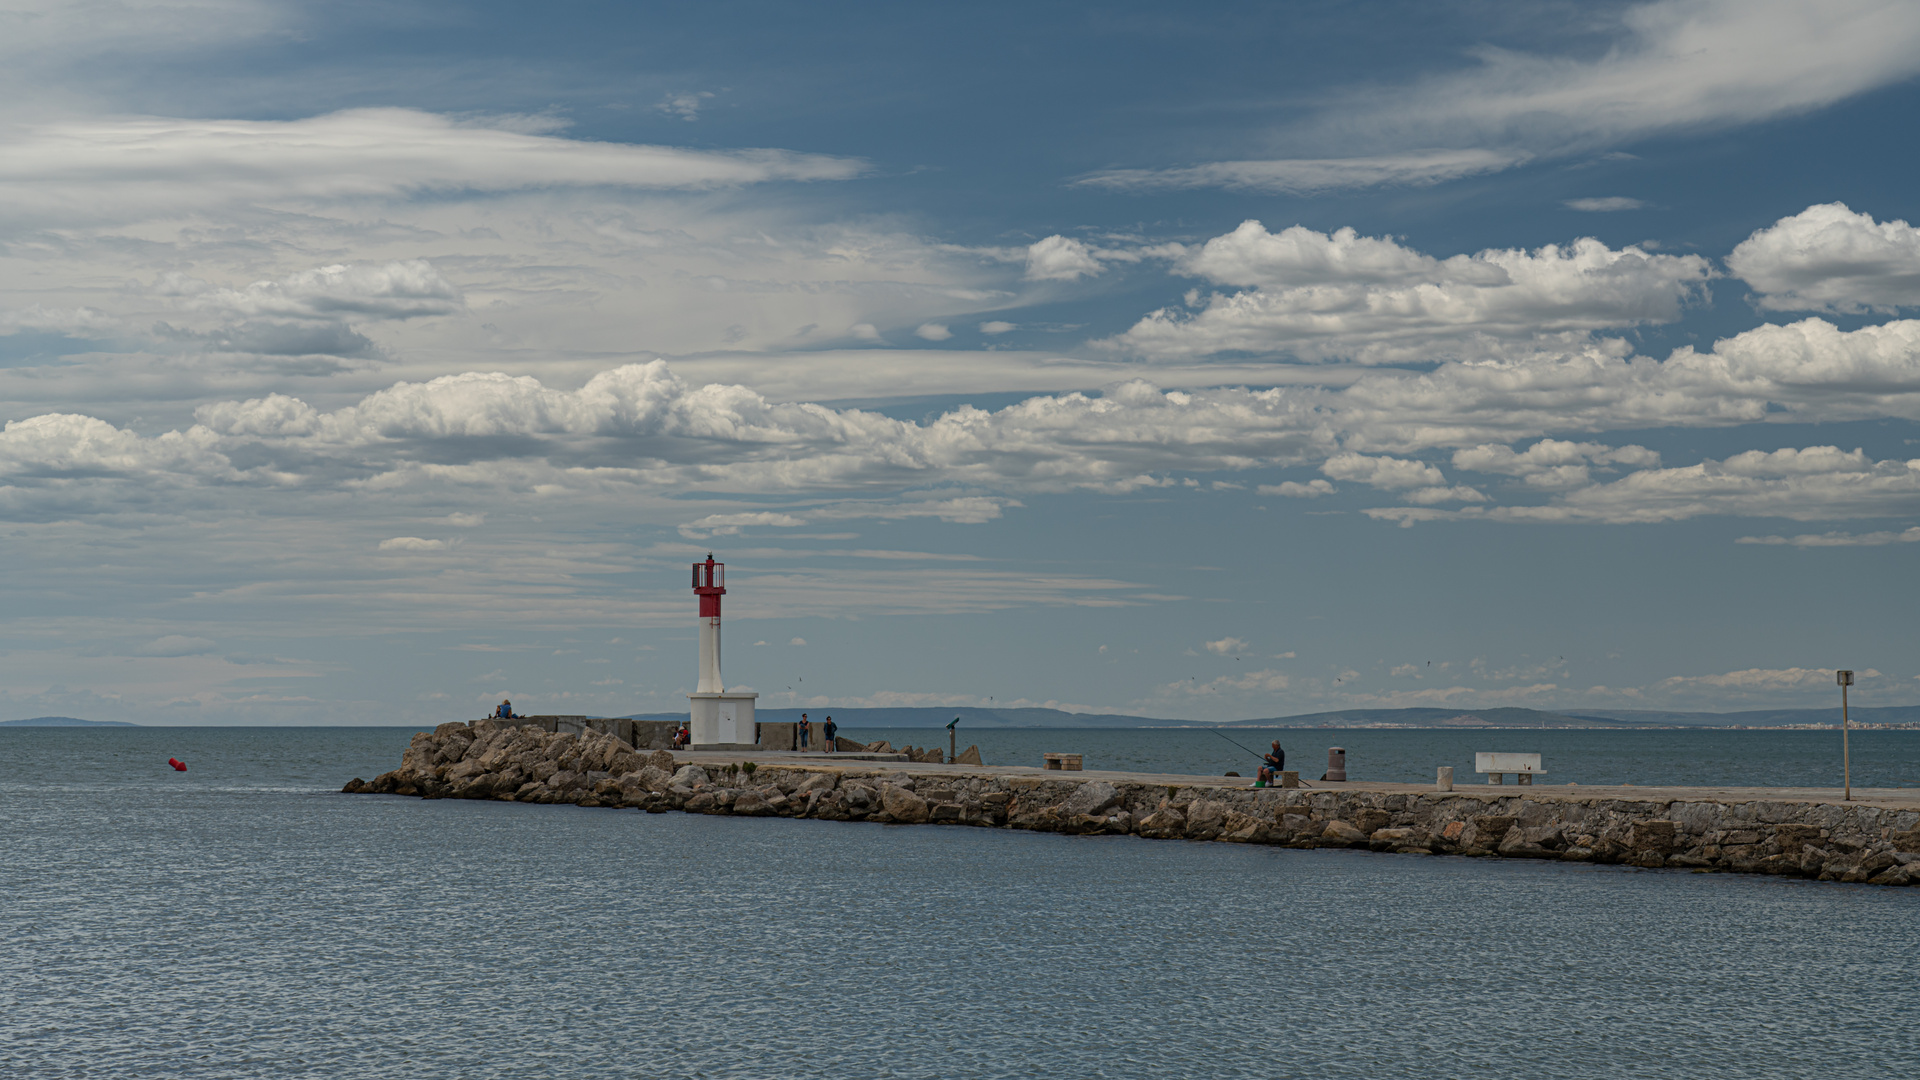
1814, 833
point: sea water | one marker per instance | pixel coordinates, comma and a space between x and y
244, 920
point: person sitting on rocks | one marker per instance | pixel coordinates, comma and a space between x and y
682, 737
1272, 764
505, 711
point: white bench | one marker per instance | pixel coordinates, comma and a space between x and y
1524, 767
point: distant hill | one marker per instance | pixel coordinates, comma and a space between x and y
64, 721
935, 718
1622, 719
1444, 718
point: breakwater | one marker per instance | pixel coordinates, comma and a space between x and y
1874, 839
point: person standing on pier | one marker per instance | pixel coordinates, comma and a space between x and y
806, 730
830, 731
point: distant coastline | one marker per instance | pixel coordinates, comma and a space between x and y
65, 721
1899, 717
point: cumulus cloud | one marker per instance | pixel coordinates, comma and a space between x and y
172, 645
933, 332
412, 543
1758, 681
1382, 472
1801, 484
1293, 489
1829, 258
1227, 646
1551, 464
1322, 296
116, 168
994, 327
641, 427
1061, 258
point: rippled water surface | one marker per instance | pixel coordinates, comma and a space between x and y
240, 920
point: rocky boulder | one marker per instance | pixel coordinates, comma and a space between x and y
903, 805
1093, 798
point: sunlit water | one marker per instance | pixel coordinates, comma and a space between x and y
242, 920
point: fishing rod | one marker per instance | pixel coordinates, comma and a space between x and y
1255, 753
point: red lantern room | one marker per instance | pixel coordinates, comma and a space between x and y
710, 584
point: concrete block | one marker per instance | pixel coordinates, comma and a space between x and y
1289, 778
1444, 781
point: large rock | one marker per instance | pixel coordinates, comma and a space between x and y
752, 803
1093, 798
1165, 823
1652, 836
1205, 818
903, 805
1543, 842
1341, 834
818, 782
690, 776
969, 756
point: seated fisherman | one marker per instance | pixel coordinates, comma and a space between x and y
1272, 764
505, 711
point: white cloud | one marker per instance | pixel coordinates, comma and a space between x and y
412, 543
1227, 646
731, 524
1060, 258
1322, 296
1605, 204
1301, 176
1838, 539
1828, 258
128, 167
1760, 682
1551, 464
864, 332
1811, 484
172, 645
685, 106
797, 641
1674, 65
1382, 472
1293, 489
933, 332
995, 327
466, 521
396, 290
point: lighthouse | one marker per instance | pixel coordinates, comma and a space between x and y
720, 721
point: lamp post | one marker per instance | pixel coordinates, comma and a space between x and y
951, 743
1845, 679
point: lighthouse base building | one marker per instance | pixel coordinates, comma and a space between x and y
722, 721
718, 720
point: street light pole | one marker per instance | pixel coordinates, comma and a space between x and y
1845, 679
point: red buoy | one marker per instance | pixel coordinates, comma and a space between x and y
178, 765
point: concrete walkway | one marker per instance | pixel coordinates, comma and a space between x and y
1886, 798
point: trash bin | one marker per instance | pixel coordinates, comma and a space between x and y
1336, 763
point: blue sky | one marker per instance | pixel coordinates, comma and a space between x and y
367, 363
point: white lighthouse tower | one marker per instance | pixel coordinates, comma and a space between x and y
720, 721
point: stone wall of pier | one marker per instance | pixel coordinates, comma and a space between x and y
1844, 842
